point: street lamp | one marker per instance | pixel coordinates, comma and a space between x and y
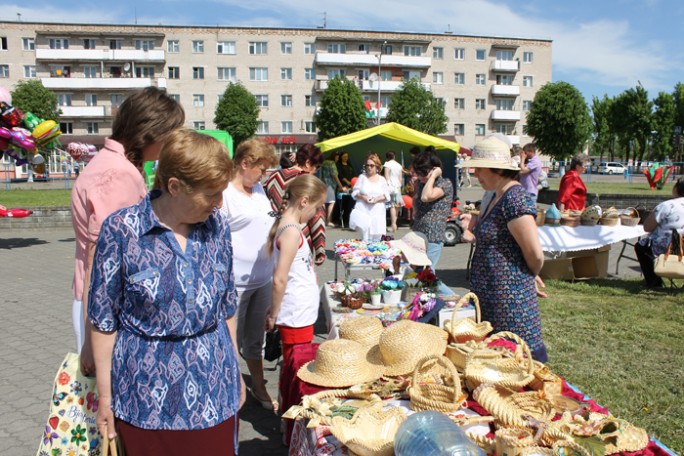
382, 48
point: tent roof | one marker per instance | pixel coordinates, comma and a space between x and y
393, 131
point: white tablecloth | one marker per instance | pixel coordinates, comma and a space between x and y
568, 239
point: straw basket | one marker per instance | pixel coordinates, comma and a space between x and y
465, 329
630, 217
545, 380
436, 385
317, 407
513, 373
511, 409
562, 447
551, 221
541, 216
511, 441
568, 220
589, 221
609, 221
370, 431
458, 353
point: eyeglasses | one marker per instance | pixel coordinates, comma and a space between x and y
370, 165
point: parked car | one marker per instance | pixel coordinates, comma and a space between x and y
611, 168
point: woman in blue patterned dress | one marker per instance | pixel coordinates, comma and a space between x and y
163, 307
508, 254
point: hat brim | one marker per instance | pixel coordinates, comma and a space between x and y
434, 342
413, 256
369, 373
493, 164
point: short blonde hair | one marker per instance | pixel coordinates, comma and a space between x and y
255, 152
196, 159
375, 159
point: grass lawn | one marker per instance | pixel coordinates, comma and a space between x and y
639, 186
622, 346
34, 198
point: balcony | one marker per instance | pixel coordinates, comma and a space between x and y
502, 90
505, 116
101, 83
324, 58
100, 55
370, 86
509, 66
85, 111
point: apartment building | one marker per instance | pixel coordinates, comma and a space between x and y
486, 83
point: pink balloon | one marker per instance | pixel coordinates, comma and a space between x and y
5, 95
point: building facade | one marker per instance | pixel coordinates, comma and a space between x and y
486, 83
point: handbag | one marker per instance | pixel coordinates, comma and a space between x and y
71, 427
273, 349
671, 266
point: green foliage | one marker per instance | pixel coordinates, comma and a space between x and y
678, 96
32, 96
341, 111
415, 107
663, 125
604, 139
559, 120
237, 113
631, 117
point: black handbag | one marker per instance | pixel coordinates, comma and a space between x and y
273, 349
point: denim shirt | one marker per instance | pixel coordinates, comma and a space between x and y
174, 365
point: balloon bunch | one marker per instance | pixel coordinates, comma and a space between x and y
81, 151
21, 135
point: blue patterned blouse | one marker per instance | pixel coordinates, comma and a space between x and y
174, 365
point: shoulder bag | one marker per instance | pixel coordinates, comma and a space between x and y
669, 265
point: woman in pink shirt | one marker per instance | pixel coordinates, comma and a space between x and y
113, 180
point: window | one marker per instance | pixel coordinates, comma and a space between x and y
386, 49
459, 78
438, 53
309, 48
480, 79
480, 103
197, 72
226, 47
459, 103
198, 125
64, 99
524, 130
504, 105
504, 128
286, 126
92, 128
67, 128
227, 74
175, 97
413, 51
90, 71
286, 74
480, 54
286, 100
459, 129
459, 54
480, 129
504, 79
115, 44
198, 46
258, 47
262, 127
309, 126
262, 100
144, 72
144, 45
173, 46
363, 75
337, 48
59, 43
91, 99
116, 99
364, 48
198, 100
258, 74
336, 73
411, 74
309, 74
386, 75
527, 105
28, 44
437, 77
504, 55
309, 100
528, 57
174, 72
286, 47
440, 101
528, 81
29, 71
88, 43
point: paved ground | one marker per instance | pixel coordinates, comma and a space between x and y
35, 332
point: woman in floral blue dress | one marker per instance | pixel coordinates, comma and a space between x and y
508, 254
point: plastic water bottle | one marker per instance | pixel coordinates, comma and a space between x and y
433, 433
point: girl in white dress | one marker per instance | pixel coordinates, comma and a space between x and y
371, 192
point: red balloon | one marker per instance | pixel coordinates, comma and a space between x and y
353, 181
408, 201
15, 213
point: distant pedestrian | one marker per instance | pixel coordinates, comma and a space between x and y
530, 167
77, 169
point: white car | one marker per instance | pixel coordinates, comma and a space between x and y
611, 168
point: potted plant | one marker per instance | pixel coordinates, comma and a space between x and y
425, 280
372, 291
391, 290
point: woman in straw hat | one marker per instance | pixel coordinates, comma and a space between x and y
508, 254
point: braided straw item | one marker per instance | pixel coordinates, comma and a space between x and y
465, 329
318, 408
513, 373
370, 432
545, 380
459, 353
484, 442
510, 408
510, 441
561, 447
436, 386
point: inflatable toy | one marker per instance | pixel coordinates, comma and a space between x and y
408, 201
353, 181
5, 95
657, 175
45, 132
14, 213
81, 151
10, 116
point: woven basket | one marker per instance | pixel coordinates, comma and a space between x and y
465, 329
316, 407
552, 221
567, 220
630, 218
545, 380
370, 431
536, 451
541, 216
512, 373
511, 441
442, 390
588, 222
458, 353
561, 447
511, 409
609, 221
487, 444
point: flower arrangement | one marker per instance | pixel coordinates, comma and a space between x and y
423, 279
391, 283
370, 288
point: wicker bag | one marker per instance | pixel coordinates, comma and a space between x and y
370, 431
511, 441
512, 409
630, 217
515, 372
436, 385
465, 329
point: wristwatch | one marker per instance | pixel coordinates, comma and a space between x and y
371, 199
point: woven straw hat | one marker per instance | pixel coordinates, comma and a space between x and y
491, 153
406, 342
414, 247
365, 330
340, 363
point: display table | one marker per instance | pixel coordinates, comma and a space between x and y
356, 255
559, 238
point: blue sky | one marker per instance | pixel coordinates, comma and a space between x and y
599, 46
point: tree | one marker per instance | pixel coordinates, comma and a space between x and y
341, 111
415, 107
604, 139
631, 116
237, 113
559, 120
32, 96
663, 125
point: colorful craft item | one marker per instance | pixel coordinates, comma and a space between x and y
353, 251
45, 132
657, 175
31, 120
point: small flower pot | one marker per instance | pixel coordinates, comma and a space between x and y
391, 297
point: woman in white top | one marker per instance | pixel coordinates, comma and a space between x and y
371, 192
394, 175
247, 208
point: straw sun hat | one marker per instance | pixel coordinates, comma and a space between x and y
365, 330
491, 153
340, 363
406, 342
414, 247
